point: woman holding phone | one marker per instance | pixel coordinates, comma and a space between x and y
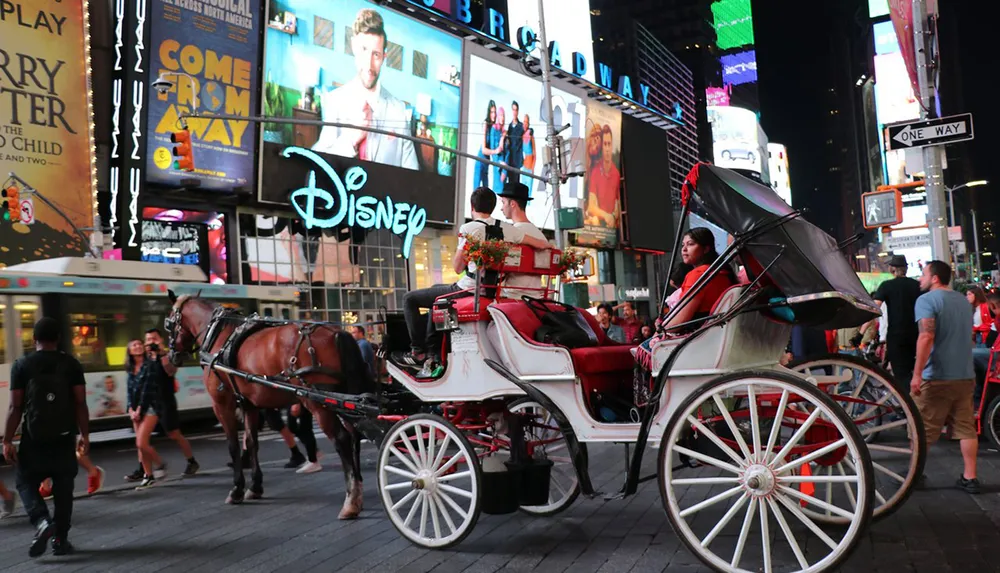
143, 403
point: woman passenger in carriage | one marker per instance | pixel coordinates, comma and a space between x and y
698, 250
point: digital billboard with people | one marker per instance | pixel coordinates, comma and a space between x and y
355, 62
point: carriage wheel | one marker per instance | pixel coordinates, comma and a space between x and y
564, 486
430, 481
887, 418
751, 462
991, 422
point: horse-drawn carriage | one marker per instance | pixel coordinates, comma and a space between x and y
755, 460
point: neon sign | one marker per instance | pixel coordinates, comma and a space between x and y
362, 211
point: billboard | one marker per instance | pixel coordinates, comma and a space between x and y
735, 138
878, 8
602, 179
492, 120
200, 238
566, 22
777, 159
733, 23
277, 252
217, 47
46, 134
739, 68
717, 96
356, 62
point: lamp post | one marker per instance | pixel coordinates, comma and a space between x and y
951, 196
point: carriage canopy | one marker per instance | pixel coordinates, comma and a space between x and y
809, 270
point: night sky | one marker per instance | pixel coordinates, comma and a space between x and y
795, 67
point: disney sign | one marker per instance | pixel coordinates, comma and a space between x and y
362, 211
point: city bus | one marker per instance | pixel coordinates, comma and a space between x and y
102, 305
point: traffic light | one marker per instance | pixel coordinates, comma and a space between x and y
182, 151
10, 205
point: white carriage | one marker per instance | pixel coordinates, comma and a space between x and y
752, 455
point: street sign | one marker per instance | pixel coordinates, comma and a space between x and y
882, 208
908, 242
955, 233
940, 131
27, 211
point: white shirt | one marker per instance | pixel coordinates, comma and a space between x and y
477, 230
515, 282
883, 325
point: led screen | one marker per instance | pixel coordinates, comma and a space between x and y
885, 38
356, 62
877, 8
735, 138
492, 92
192, 237
739, 68
733, 23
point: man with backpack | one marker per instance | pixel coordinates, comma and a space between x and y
482, 227
48, 392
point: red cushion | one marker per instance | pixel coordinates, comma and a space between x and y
602, 359
466, 307
521, 318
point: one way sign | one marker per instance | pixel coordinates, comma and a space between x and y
938, 131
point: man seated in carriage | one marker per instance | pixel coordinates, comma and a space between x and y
483, 226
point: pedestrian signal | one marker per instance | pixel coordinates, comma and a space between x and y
182, 151
10, 204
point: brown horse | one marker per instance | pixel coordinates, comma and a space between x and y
306, 354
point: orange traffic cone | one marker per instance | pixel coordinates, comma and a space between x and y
806, 487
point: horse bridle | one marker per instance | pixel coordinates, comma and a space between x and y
174, 325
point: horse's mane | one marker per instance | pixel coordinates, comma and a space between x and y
181, 300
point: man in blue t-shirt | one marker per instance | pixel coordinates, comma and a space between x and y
367, 352
944, 379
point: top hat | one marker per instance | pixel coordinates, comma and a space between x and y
515, 190
898, 261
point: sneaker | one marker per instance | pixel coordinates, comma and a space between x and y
309, 468
295, 461
95, 482
428, 369
61, 546
7, 507
191, 469
46, 529
969, 485
137, 475
413, 360
146, 483
45, 490
160, 472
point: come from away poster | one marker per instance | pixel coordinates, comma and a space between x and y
215, 43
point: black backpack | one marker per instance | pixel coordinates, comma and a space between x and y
494, 232
49, 406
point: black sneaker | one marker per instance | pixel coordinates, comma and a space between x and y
969, 485
61, 546
46, 529
137, 475
409, 359
191, 468
295, 461
146, 483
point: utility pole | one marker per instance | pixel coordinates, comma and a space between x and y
975, 243
551, 139
933, 173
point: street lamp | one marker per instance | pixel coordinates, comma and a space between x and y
951, 196
164, 85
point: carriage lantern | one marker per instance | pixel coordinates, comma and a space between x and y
445, 315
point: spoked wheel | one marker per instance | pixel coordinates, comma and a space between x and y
887, 418
991, 422
543, 431
751, 469
430, 480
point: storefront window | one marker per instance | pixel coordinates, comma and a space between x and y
433, 256
606, 267
348, 274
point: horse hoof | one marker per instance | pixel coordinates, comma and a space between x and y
234, 499
346, 514
255, 494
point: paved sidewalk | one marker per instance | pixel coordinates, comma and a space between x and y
183, 525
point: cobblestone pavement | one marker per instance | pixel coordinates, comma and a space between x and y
182, 525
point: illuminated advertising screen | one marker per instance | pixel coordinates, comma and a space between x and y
894, 98
180, 236
602, 179
45, 129
878, 8
208, 51
735, 138
885, 38
777, 159
505, 125
358, 63
739, 68
566, 22
717, 96
277, 252
733, 23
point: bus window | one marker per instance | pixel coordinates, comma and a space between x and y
152, 313
27, 312
99, 329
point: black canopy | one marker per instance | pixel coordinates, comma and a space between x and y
811, 273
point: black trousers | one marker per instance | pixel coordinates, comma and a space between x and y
37, 463
301, 426
902, 356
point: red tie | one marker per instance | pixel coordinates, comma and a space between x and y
363, 148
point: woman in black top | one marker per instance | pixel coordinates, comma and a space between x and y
143, 404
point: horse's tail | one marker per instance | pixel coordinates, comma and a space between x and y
353, 365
